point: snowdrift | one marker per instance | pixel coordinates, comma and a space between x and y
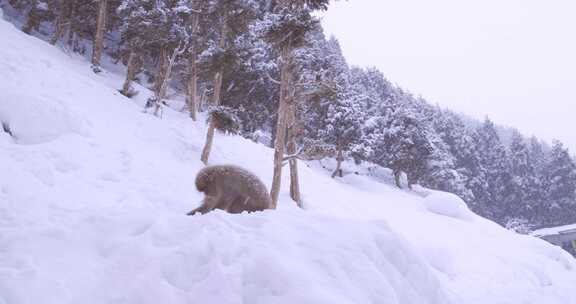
93, 196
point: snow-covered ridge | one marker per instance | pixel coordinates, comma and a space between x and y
93, 196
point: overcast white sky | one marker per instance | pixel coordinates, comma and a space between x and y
513, 60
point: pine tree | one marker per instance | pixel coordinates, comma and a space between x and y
232, 19
343, 125
38, 11
494, 171
285, 27
454, 159
561, 182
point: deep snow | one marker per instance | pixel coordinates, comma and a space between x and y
93, 196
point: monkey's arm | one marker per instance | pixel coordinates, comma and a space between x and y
202, 209
208, 204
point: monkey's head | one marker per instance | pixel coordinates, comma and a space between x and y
205, 181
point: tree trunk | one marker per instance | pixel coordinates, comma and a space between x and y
279, 143
339, 160
162, 58
61, 20
169, 64
216, 99
212, 124
131, 69
99, 36
397, 175
164, 76
291, 150
30, 24
192, 90
72, 25
158, 79
32, 21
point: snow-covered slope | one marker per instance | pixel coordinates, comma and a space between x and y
93, 196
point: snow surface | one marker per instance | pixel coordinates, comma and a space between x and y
447, 204
555, 230
93, 196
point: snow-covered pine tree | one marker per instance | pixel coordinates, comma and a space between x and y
342, 122
285, 27
36, 11
523, 186
561, 185
495, 171
231, 19
159, 28
453, 160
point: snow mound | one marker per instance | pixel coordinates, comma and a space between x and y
217, 258
33, 120
448, 204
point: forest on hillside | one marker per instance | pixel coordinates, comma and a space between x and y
265, 70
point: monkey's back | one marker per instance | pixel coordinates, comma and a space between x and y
234, 181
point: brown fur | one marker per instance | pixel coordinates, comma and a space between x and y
232, 189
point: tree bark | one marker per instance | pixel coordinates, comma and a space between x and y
397, 175
61, 20
291, 150
30, 25
192, 90
99, 36
131, 69
216, 98
169, 64
162, 59
164, 76
279, 143
339, 160
32, 21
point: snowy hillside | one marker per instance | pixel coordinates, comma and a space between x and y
93, 196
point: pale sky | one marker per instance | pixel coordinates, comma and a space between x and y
513, 60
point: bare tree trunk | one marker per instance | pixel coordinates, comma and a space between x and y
167, 64
291, 150
61, 20
32, 21
167, 73
212, 124
279, 143
339, 160
202, 102
131, 69
397, 175
99, 36
71, 26
162, 59
216, 99
192, 90
29, 25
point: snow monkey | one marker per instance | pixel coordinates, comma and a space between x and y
232, 189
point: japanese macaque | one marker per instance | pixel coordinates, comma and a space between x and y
232, 189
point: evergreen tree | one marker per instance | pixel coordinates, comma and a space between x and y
561, 185
231, 19
494, 172
285, 27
